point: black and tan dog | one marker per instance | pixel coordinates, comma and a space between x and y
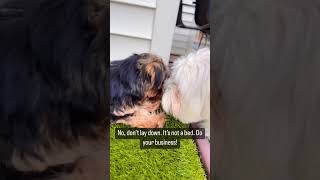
136, 88
53, 94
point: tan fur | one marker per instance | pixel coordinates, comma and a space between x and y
151, 106
144, 119
124, 111
151, 63
151, 93
144, 115
150, 69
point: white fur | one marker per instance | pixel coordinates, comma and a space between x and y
187, 91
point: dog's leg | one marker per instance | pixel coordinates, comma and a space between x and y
150, 106
92, 167
144, 119
58, 154
124, 111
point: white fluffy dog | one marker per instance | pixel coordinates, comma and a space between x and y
187, 91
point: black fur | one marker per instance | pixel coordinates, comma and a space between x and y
126, 83
129, 82
53, 72
266, 89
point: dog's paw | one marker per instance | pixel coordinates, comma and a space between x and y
161, 120
27, 163
145, 119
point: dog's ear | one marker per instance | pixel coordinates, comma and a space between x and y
156, 72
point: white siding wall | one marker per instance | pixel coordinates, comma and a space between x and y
138, 26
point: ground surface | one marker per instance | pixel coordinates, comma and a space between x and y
128, 161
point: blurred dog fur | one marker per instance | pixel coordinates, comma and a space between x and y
136, 90
187, 90
53, 89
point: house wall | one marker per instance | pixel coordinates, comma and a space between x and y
138, 26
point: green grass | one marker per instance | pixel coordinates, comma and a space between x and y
129, 162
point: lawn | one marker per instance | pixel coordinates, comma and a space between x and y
129, 162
